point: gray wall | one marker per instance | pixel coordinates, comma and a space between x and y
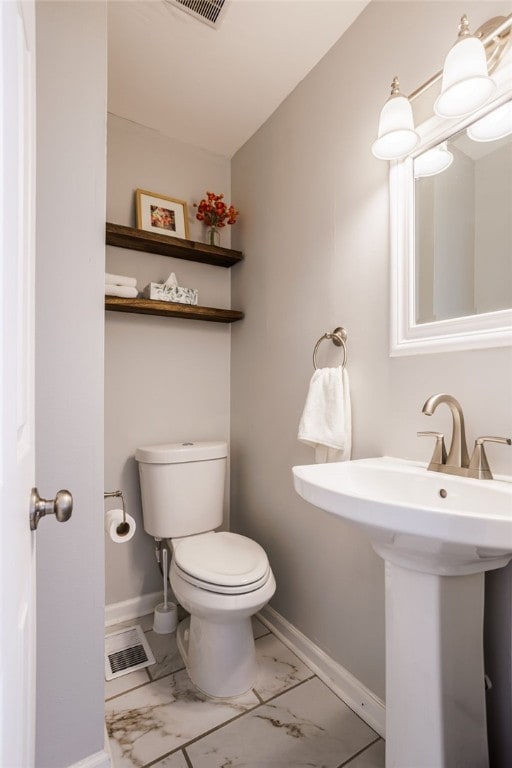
166, 379
70, 252
315, 234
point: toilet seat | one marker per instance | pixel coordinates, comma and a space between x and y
223, 562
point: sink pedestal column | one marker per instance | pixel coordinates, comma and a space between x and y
438, 534
435, 690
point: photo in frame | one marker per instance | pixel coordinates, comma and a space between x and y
161, 214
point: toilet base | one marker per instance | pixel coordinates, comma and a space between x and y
220, 657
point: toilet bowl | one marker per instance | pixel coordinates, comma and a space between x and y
220, 578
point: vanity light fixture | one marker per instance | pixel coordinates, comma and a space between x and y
496, 125
466, 82
466, 86
396, 137
433, 161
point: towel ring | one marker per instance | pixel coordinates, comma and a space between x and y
338, 337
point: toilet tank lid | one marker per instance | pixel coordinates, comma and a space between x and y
180, 453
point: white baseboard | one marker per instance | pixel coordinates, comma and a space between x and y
97, 760
131, 609
108, 751
357, 696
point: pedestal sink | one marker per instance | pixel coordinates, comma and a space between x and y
438, 534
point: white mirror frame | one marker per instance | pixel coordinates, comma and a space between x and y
492, 329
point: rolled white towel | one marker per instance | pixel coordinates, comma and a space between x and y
124, 291
131, 282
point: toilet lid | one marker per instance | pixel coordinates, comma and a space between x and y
224, 559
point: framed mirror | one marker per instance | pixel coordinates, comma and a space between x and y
451, 233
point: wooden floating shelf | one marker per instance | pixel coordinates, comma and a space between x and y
139, 240
171, 309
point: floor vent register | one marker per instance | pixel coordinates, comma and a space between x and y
125, 651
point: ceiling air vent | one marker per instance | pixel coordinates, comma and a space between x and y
208, 11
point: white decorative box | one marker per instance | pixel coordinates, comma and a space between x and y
163, 292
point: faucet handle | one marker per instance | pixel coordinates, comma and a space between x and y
479, 466
439, 455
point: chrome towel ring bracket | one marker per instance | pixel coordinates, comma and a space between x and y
339, 338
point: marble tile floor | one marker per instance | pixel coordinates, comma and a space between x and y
290, 719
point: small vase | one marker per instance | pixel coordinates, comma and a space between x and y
213, 236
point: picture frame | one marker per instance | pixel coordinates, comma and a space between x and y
161, 214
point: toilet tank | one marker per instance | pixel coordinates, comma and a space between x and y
182, 487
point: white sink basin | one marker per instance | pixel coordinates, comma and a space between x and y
429, 528
417, 518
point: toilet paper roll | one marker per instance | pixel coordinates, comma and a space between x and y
119, 531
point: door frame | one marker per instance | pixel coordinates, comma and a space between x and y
17, 448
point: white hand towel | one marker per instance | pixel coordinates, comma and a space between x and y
326, 422
124, 291
131, 282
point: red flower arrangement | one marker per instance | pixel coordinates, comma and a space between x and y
214, 211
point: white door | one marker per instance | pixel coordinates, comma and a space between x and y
17, 543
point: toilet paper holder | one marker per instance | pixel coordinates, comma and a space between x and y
123, 527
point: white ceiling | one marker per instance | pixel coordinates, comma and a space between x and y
214, 88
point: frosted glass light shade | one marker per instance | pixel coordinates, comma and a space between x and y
396, 136
466, 83
433, 161
496, 125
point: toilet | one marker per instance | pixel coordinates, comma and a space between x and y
220, 578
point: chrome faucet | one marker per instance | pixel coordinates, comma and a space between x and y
457, 461
458, 457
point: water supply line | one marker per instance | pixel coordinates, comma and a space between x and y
161, 545
158, 552
163, 557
